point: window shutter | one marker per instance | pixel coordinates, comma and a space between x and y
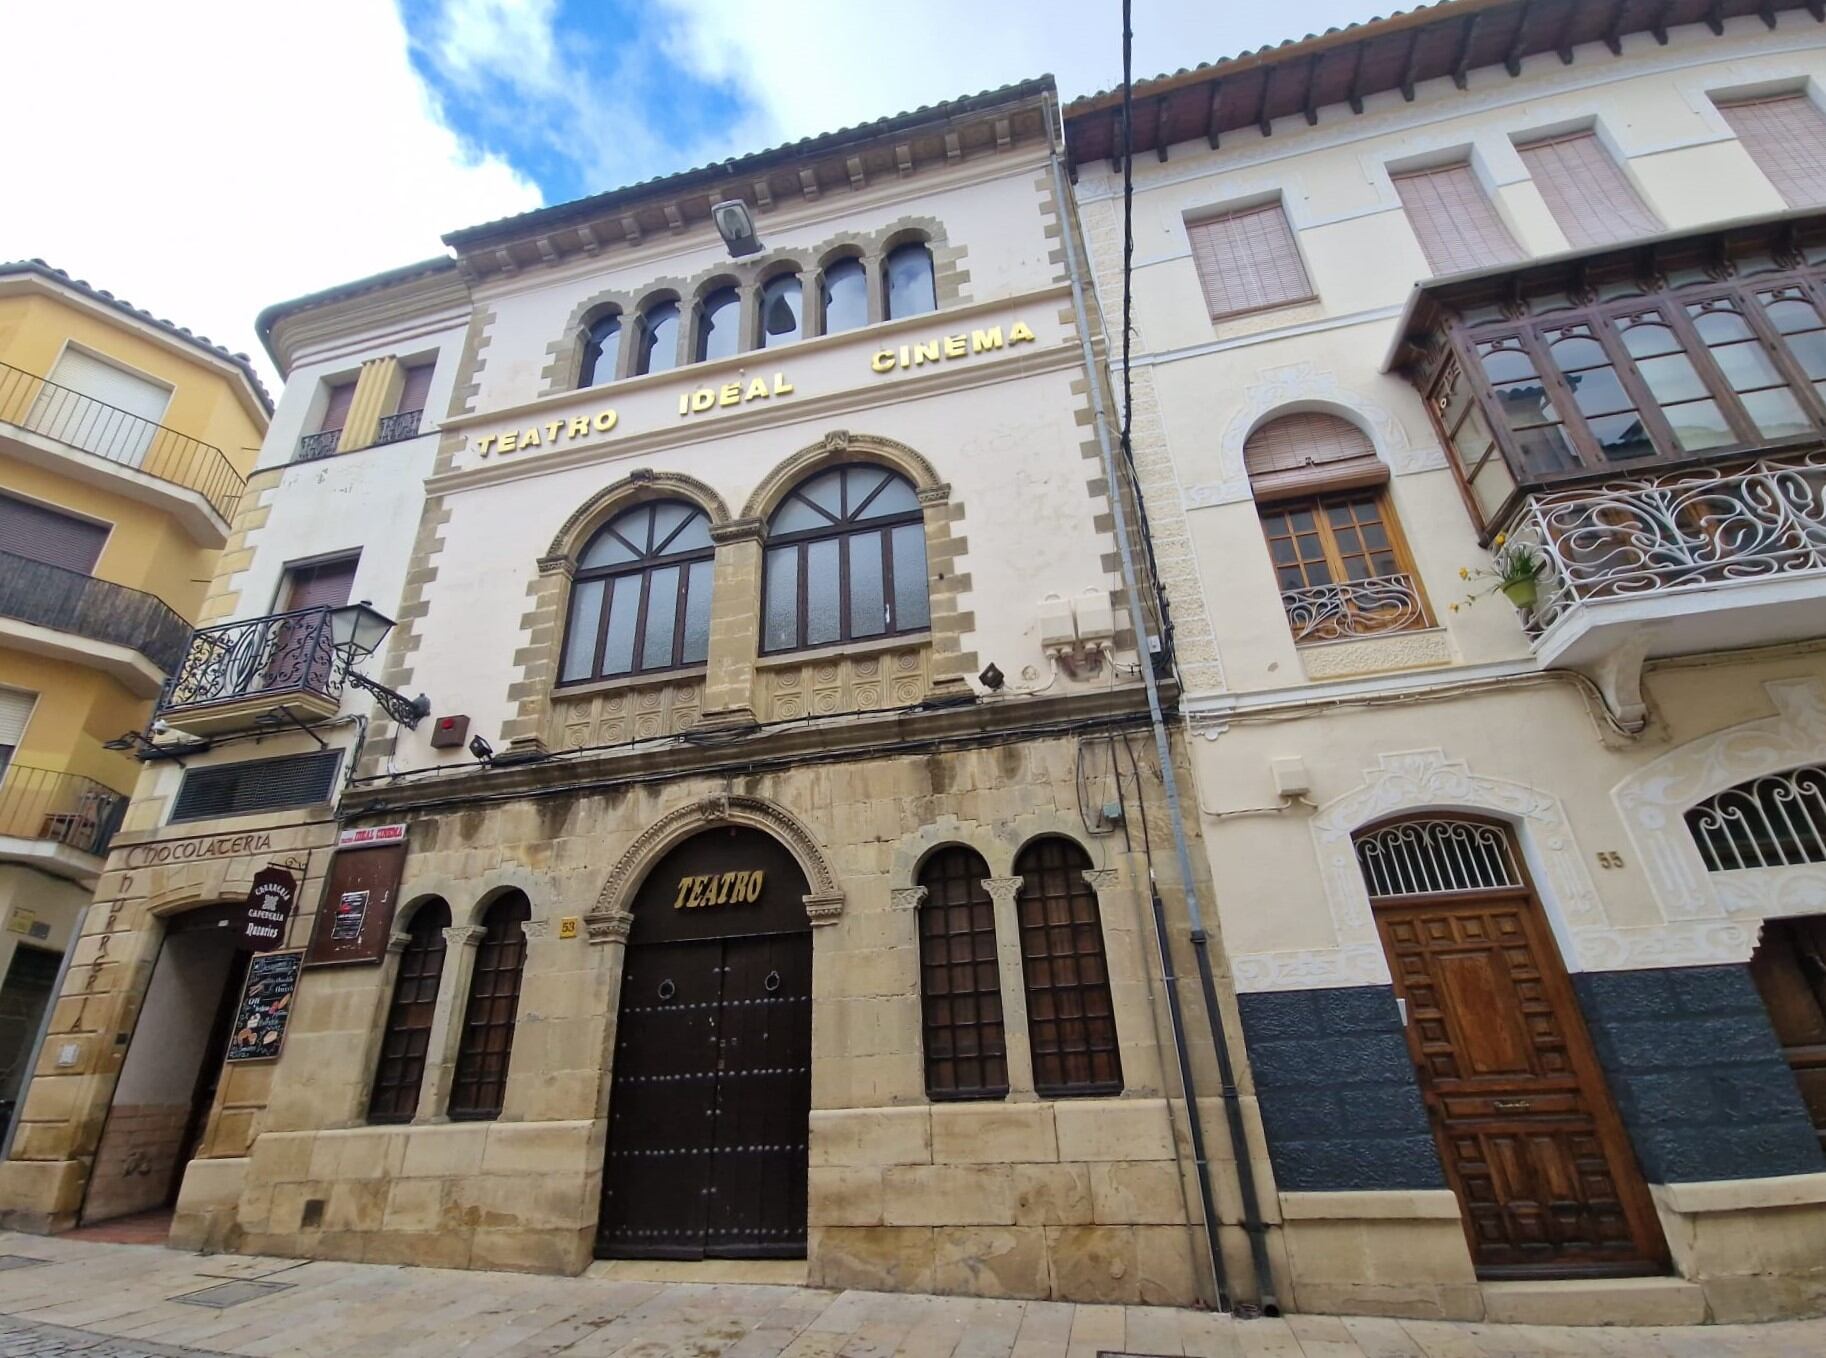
418, 387
1586, 190
1786, 136
1248, 261
110, 385
256, 785
336, 411
42, 534
1309, 451
326, 584
1455, 220
15, 711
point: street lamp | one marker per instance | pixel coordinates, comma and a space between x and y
355, 631
735, 224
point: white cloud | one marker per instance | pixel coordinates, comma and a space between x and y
203, 158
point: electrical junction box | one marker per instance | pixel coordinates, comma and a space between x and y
449, 733
1290, 776
1058, 632
1096, 617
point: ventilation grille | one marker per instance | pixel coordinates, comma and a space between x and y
1436, 857
257, 785
1773, 822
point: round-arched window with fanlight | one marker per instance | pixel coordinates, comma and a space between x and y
640, 598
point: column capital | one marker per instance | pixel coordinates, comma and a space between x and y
822, 910
1002, 889
464, 935
1100, 880
608, 926
907, 897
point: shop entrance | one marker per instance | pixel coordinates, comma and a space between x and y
1789, 969
168, 1081
710, 1100
1546, 1180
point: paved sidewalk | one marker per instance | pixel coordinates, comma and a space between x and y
90, 1300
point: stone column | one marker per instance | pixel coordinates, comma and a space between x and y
377, 390
1002, 891
460, 944
873, 278
948, 662
735, 624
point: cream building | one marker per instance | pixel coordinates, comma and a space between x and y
779, 870
1524, 901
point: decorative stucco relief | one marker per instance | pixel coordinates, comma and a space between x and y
1654, 799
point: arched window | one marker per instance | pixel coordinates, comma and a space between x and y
1338, 556
782, 310
1071, 1019
407, 1036
480, 1082
601, 351
960, 986
658, 350
719, 331
1776, 821
640, 601
843, 293
1434, 856
846, 560
910, 289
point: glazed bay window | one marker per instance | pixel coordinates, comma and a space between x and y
640, 598
846, 561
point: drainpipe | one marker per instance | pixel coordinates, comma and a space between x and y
1233, 1111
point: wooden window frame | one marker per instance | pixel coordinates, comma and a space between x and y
1035, 922
1319, 500
399, 1074
500, 964
644, 566
939, 916
842, 531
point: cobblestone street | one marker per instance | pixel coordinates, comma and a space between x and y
61, 1297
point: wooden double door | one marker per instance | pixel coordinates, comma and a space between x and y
710, 1095
1789, 969
1531, 1142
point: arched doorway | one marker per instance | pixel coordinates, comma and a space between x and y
1532, 1145
710, 1098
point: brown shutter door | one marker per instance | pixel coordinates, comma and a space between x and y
325, 584
1786, 136
1586, 190
342, 396
1310, 451
1248, 261
417, 389
32, 530
1455, 219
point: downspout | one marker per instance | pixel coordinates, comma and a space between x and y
1252, 1221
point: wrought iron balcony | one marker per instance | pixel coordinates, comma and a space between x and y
80, 605
114, 435
1354, 608
239, 675
321, 444
62, 809
394, 428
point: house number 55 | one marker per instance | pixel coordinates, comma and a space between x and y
1607, 859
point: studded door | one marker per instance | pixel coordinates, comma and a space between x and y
710, 1097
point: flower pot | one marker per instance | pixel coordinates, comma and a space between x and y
1522, 593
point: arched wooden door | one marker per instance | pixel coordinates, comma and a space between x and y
1531, 1142
710, 1097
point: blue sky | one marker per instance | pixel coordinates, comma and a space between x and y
219, 155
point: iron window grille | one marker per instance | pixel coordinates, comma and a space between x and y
1777, 821
1434, 857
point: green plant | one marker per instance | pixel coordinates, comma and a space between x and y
1515, 572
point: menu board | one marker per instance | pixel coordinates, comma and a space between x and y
266, 1007
356, 915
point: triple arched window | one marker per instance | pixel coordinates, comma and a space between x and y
640, 602
846, 561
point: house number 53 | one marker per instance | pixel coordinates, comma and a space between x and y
1608, 859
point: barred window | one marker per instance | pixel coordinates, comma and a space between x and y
1436, 857
1071, 1018
480, 1082
960, 981
1773, 822
407, 1036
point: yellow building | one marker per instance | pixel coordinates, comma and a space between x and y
125, 441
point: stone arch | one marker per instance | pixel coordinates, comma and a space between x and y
403, 917
564, 366
842, 446
613, 914
637, 487
911, 853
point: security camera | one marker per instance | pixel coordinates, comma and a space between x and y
160, 726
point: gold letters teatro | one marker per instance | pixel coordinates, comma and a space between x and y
718, 888
520, 440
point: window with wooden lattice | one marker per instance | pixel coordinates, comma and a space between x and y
406, 1039
1071, 1017
480, 1082
960, 981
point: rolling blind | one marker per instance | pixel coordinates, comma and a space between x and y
1309, 451
336, 410
326, 583
256, 785
1455, 219
111, 385
42, 534
1786, 136
1248, 261
1586, 190
417, 388
15, 711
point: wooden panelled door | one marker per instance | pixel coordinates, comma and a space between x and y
1530, 1140
1789, 969
710, 1097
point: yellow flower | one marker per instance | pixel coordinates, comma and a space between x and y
1464, 573
1501, 538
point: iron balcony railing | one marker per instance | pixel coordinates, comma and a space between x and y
1354, 608
328, 442
69, 601
1675, 531
321, 444
393, 428
108, 432
283, 654
59, 808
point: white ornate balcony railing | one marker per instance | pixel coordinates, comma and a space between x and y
1679, 530
1354, 608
